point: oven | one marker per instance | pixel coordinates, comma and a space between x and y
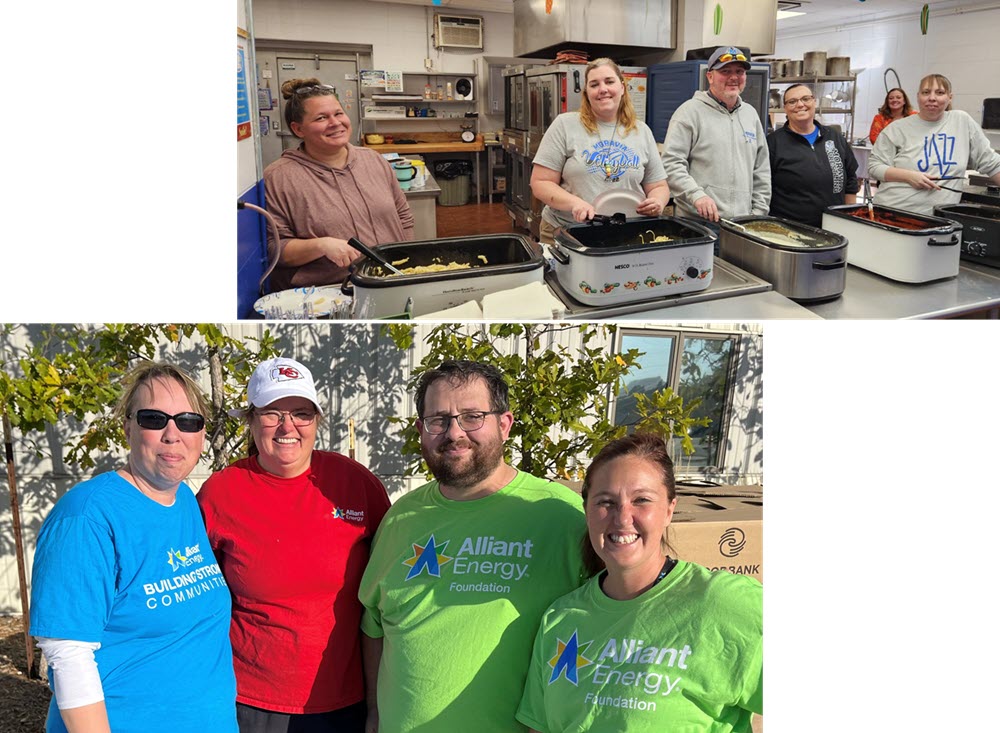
559, 88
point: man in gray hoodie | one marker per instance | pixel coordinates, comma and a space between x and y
715, 152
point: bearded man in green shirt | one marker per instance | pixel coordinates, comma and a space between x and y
462, 568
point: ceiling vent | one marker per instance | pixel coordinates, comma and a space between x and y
458, 31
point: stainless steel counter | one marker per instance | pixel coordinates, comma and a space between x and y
867, 295
423, 204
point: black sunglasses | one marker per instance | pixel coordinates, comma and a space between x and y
186, 422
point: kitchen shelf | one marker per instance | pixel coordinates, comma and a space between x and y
456, 74
829, 111
809, 79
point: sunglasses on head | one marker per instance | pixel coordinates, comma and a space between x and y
316, 88
186, 422
732, 54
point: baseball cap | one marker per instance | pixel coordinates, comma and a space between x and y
278, 378
727, 55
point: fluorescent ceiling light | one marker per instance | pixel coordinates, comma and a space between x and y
782, 14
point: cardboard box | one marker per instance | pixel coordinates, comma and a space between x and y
721, 527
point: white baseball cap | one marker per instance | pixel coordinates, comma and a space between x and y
278, 378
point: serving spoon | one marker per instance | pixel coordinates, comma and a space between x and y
734, 225
372, 254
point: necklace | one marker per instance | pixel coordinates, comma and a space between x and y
608, 170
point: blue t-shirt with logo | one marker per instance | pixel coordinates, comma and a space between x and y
115, 567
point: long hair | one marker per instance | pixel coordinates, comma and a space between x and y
937, 80
907, 107
641, 445
626, 110
295, 101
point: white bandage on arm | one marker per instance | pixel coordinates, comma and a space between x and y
73, 671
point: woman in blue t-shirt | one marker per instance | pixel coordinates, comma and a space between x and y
128, 603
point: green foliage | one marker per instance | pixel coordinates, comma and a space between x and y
560, 398
75, 372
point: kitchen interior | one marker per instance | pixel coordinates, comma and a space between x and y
457, 96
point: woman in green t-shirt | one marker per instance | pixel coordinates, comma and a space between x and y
650, 643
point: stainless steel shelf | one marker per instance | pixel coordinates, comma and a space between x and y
807, 79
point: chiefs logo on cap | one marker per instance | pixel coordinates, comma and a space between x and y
285, 373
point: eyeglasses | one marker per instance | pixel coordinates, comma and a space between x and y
467, 421
274, 418
186, 422
805, 100
316, 88
733, 54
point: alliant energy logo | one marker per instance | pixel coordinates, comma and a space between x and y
569, 659
351, 515
628, 673
190, 556
427, 557
481, 561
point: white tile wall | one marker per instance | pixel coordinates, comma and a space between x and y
963, 47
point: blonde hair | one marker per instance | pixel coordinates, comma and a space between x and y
626, 110
936, 80
144, 373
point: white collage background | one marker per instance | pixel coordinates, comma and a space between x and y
882, 438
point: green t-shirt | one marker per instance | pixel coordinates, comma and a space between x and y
456, 589
686, 657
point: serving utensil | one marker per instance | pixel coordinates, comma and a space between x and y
372, 254
734, 225
617, 218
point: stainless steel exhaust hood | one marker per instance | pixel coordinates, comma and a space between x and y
615, 28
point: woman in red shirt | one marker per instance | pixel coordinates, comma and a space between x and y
291, 528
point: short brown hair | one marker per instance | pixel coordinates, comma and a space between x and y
295, 108
641, 445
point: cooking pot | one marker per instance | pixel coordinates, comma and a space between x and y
777, 67
599, 264
793, 68
774, 99
814, 63
838, 66
980, 230
373, 138
897, 244
802, 262
496, 262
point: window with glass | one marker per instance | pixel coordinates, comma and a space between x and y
695, 366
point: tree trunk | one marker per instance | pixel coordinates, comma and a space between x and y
15, 513
220, 456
